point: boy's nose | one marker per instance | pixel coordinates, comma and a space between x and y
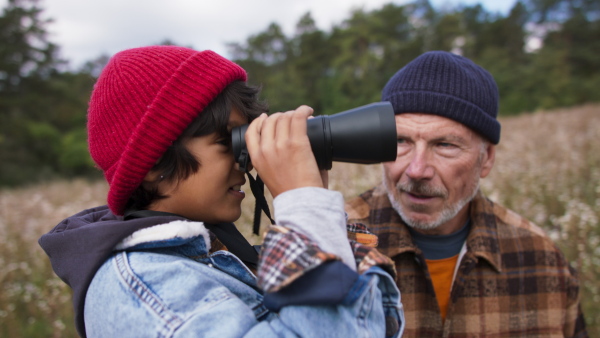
249, 166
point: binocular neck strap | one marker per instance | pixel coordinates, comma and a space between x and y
258, 190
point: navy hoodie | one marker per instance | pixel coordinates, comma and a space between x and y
80, 244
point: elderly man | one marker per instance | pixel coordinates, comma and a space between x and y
466, 266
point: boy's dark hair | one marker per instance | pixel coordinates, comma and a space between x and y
177, 163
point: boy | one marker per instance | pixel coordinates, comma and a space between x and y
164, 258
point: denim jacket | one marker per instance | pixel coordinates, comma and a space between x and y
173, 278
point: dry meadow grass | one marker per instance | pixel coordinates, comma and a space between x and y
547, 169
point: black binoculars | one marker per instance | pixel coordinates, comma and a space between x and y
364, 135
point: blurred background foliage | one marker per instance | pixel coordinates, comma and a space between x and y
543, 54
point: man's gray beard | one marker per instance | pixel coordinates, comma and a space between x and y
448, 212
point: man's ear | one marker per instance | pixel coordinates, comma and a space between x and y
489, 157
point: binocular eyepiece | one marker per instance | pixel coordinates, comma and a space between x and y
364, 135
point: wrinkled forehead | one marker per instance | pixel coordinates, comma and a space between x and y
433, 126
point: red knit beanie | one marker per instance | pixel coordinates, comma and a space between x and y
143, 100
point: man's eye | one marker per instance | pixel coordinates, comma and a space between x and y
448, 146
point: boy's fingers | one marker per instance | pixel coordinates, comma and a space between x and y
253, 133
268, 129
282, 132
299, 118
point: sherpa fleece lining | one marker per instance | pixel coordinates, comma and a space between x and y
161, 232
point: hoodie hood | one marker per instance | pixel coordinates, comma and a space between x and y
80, 244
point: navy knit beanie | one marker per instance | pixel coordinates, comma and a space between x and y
448, 85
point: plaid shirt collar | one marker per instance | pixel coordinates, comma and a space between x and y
483, 239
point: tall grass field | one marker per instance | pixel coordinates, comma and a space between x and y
547, 169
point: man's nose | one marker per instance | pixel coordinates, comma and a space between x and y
420, 167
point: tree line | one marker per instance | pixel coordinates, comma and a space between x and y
542, 53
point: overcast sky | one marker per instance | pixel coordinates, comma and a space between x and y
85, 29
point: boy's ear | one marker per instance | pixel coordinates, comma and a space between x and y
152, 176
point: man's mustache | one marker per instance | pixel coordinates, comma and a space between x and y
421, 188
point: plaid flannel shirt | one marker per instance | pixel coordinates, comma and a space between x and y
512, 280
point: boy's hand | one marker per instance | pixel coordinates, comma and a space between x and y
280, 151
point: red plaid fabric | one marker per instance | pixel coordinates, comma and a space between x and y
513, 280
367, 257
287, 255
359, 233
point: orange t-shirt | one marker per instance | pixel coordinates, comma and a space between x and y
442, 272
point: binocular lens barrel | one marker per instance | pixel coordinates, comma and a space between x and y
364, 135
